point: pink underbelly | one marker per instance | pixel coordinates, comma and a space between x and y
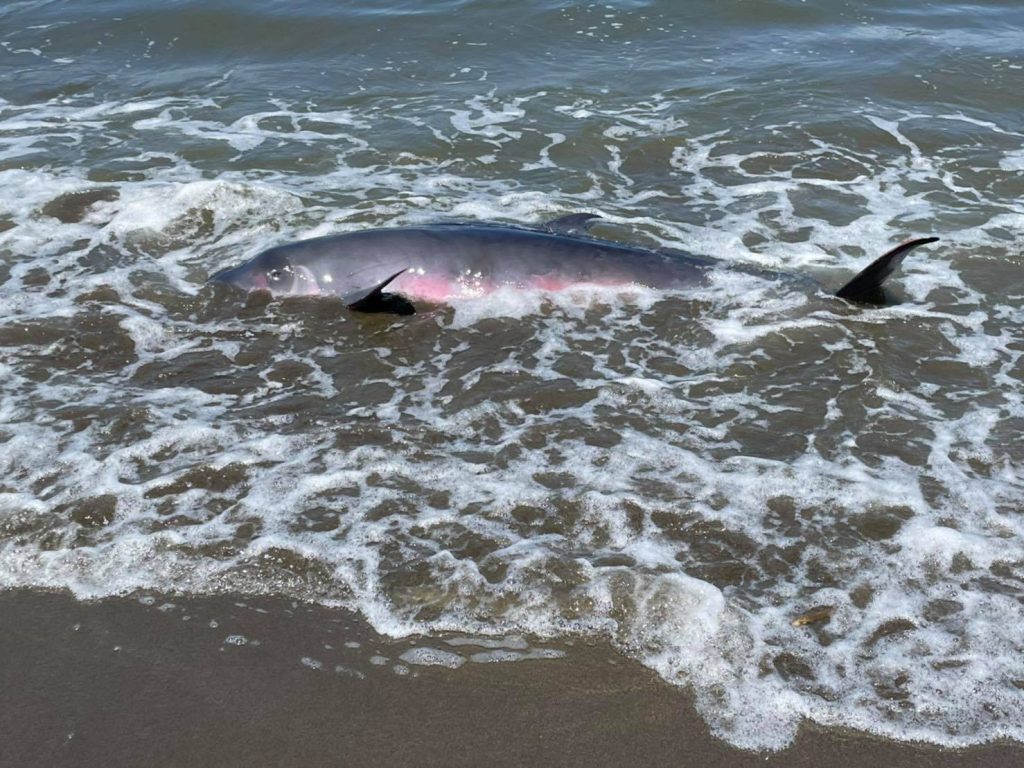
435, 289
440, 289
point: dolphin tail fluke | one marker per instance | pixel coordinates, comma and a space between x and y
866, 287
375, 300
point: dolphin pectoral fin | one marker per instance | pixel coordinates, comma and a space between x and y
375, 300
866, 286
573, 224
392, 303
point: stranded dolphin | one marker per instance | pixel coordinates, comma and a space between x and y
440, 261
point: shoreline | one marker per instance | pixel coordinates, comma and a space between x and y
166, 680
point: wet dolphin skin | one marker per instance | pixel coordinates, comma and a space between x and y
438, 262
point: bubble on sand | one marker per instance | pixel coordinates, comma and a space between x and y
433, 657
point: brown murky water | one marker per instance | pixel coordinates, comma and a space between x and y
687, 474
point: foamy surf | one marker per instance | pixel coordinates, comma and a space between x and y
683, 474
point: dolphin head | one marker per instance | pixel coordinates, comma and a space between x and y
270, 271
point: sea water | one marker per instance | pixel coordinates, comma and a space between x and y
684, 474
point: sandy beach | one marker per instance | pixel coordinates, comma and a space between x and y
232, 681
634, 401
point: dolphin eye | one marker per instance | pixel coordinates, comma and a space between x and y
280, 279
275, 272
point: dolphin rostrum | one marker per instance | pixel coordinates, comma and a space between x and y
441, 261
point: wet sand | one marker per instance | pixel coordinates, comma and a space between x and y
228, 681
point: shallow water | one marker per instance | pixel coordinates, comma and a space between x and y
683, 473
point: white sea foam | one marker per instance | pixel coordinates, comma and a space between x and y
621, 463
432, 657
502, 655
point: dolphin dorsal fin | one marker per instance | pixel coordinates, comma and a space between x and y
375, 300
573, 224
866, 286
